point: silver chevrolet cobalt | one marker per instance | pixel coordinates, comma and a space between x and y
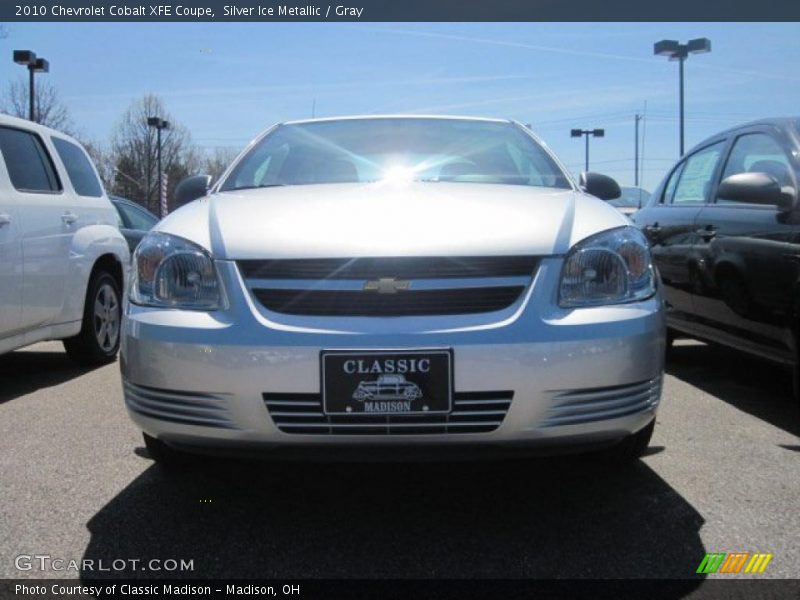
378, 285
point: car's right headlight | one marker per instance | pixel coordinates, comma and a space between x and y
612, 267
172, 272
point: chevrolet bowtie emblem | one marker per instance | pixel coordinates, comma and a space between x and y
387, 285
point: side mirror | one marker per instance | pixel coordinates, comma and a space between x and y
190, 189
757, 188
601, 186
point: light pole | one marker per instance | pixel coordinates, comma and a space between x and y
159, 124
576, 133
637, 117
676, 51
35, 65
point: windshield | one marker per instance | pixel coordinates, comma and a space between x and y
396, 149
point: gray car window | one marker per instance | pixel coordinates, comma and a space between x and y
758, 153
137, 219
669, 189
697, 175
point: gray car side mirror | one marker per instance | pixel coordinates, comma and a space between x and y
757, 188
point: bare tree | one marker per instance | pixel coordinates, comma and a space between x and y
133, 151
102, 160
217, 160
48, 107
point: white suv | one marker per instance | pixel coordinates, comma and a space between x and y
61, 254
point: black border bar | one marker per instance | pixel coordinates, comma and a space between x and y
404, 589
404, 10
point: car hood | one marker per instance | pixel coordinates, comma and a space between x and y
378, 219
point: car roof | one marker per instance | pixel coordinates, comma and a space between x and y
10, 121
778, 122
396, 116
122, 200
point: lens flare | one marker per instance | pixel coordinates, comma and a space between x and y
398, 175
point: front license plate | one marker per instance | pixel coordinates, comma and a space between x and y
408, 382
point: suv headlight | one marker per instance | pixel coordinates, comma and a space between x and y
612, 267
171, 272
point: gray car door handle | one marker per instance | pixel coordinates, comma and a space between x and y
69, 218
707, 233
5, 219
652, 228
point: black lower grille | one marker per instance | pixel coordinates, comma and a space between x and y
473, 412
404, 303
186, 408
402, 267
573, 407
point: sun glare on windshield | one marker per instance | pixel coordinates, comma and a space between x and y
398, 175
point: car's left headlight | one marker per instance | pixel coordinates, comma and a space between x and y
172, 272
612, 267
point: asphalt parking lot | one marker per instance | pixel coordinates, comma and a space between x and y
721, 475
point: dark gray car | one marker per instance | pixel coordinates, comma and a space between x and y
724, 226
135, 220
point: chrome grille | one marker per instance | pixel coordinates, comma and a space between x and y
596, 404
187, 408
473, 412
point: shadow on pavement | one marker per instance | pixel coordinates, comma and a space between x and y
758, 387
534, 518
26, 371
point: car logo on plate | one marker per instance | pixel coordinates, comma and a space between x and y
387, 285
388, 393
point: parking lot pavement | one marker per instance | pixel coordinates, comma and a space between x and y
721, 476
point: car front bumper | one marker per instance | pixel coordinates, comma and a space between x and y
205, 381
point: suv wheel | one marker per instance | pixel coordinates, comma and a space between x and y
98, 341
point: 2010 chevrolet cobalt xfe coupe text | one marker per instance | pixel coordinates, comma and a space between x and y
369, 286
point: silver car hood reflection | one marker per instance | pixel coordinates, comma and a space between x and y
383, 219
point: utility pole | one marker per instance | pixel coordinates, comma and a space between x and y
680, 93
637, 118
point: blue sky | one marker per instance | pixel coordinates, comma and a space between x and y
227, 82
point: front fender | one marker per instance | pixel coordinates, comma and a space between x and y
88, 245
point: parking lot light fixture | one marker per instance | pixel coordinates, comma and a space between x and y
35, 65
675, 51
576, 133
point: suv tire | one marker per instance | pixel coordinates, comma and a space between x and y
98, 341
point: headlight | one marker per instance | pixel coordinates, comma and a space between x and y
171, 272
609, 268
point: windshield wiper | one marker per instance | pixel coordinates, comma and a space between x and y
255, 187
